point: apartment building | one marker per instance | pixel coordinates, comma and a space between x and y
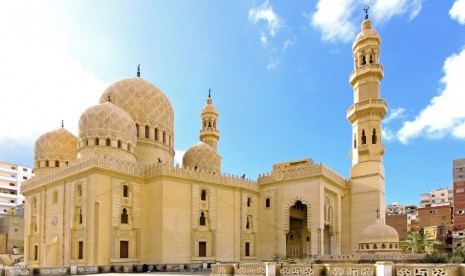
438, 215
403, 218
11, 176
458, 180
441, 196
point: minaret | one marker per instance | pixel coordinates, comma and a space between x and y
365, 115
209, 134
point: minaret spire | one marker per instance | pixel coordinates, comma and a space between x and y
62, 123
138, 70
209, 134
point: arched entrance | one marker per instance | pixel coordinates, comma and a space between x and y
297, 239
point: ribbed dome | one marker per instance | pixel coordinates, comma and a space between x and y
367, 31
209, 107
58, 144
202, 157
106, 120
379, 233
145, 103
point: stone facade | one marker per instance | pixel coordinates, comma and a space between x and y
119, 200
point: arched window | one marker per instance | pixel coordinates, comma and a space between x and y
57, 163
374, 138
364, 60
147, 135
97, 141
203, 195
79, 190
371, 58
202, 220
383, 246
364, 138
125, 191
47, 163
156, 134
120, 145
247, 224
375, 247
124, 216
108, 142
137, 130
249, 201
267, 203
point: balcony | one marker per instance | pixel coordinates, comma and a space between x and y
379, 105
368, 68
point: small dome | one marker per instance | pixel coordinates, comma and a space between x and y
145, 103
209, 107
57, 145
379, 233
107, 121
202, 157
367, 31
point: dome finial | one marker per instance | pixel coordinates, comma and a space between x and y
138, 70
109, 97
366, 11
209, 91
62, 123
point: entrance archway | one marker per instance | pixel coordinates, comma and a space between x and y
296, 241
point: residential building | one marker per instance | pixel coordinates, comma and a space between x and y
113, 195
438, 215
437, 197
458, 181
11, 177
403, 218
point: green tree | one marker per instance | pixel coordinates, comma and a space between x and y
418, 242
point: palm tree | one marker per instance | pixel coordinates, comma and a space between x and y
418, 242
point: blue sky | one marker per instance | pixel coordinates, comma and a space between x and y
278, 72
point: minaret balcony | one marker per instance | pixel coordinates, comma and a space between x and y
366, 70
376, 107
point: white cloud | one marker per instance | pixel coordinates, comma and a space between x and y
41, 82
445, 113
288, 43
265, 13
396, 113
272, 64
178, 155
457, 11
337, 19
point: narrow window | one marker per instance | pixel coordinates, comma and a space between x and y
120, 145
247, 249
383, 246
202, 220
202, 249
137, 130
203, 195
79, 190
364, 60
46, 163
371, 58
125, 191
156, 134
80, 216
108, 142
267, 203
36, 252
364, 138
124, 249
55, 197
124, 216
57, 163
355, 141
375, 247
97, 141
81, 250
87, 142
247, 224
374, 138
164, 137
249, 200
147, 135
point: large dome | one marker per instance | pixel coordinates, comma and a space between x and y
57, 145
202, 157
145, 103
379, 233
109, 124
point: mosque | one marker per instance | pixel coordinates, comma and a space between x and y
113, 194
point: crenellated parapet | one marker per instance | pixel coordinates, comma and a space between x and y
133, 170
301, 169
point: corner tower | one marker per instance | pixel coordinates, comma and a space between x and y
365, 115
209, 134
